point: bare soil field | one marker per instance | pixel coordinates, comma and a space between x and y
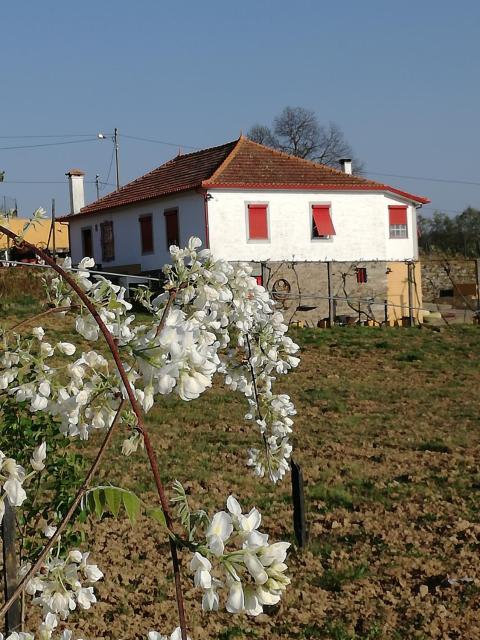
388, 438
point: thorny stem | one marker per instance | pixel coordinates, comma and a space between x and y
135, 407
68, 516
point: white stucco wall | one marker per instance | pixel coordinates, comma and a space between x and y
360, 219
126, 230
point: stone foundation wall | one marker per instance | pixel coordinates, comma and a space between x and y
302, 289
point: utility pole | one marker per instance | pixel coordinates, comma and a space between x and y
54, 244
105, 136
115, 140
97, 184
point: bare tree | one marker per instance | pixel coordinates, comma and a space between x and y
263, 135
297, 131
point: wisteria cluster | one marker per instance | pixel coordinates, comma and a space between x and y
63, 584
212, 317
236, 555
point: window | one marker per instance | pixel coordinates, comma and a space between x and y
257, 222
107, 241
322, 225
146, 233
87, 246
361, 275
171, 225
398, 221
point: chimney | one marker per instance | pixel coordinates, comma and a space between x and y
77, 194
346, 164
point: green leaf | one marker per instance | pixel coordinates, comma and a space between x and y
158, 515
113, 496
99, 501
132, 506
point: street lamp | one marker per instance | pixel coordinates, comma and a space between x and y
114, 138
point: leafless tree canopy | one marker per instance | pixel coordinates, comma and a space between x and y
298, 132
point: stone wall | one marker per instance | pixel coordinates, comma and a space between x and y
436, 282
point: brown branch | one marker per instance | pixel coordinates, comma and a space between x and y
135, 407
41, 315
68, 516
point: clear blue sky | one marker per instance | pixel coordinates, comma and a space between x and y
400, 78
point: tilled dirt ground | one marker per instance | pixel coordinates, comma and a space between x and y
388, 438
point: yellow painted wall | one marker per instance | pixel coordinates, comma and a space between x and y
397, 291
38, 235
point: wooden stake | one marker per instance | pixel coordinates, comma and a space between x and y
13, 617
298, 498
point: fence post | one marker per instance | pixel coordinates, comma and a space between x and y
331, 313
13, 617
477, 280
385, 312
298, 497
411, 317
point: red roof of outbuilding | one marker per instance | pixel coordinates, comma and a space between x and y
240, 164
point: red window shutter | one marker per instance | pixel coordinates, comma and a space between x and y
146, 232
323, 220
361, 275
257, 222
397, 215
171, 221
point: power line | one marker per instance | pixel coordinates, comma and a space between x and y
169, 144
52, 182
446, 180
47, 144
51, 135
442, 210
93, 137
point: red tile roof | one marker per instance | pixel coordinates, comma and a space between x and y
253, 166
182, 173
241, 164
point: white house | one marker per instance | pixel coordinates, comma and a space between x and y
250, 203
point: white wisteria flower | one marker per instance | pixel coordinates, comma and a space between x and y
37, 461
236, 555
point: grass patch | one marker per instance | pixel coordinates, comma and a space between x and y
334, 579
436, 446
333, 497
